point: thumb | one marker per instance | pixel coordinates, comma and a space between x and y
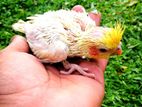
18, 44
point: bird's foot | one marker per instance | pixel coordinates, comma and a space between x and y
75, 67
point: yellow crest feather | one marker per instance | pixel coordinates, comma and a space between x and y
113, 37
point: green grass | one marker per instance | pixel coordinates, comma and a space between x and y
123, 76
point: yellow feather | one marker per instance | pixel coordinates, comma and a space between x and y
113, 37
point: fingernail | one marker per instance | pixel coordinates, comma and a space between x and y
79, 8
95, 11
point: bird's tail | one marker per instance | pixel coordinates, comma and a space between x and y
19, 26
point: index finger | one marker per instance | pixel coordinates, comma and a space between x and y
102, 63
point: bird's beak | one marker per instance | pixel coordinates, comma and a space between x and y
119, 51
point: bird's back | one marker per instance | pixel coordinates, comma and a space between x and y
50, 34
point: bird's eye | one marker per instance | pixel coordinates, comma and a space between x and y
103, 50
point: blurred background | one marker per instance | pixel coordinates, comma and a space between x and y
123, 76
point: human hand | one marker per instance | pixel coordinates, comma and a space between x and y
25, 82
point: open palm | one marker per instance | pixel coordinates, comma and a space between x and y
25, 82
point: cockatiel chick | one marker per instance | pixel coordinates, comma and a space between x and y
56, 35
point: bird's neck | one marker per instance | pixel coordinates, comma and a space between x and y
74, 50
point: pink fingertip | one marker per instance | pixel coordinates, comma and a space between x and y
78, 8
96, 17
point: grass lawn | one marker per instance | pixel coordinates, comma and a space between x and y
123, 76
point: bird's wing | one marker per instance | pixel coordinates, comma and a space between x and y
47, 40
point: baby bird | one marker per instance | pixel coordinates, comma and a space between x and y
56, 35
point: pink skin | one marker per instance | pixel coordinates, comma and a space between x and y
78, 8
25, 82
95, 16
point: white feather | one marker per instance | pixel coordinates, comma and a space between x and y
48, 33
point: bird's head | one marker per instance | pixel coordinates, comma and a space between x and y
102, 42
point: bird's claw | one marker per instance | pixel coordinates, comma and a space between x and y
75, 67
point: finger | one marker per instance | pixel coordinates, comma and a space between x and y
102, 63
96, 16
95, 69
18, 44
79, 8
